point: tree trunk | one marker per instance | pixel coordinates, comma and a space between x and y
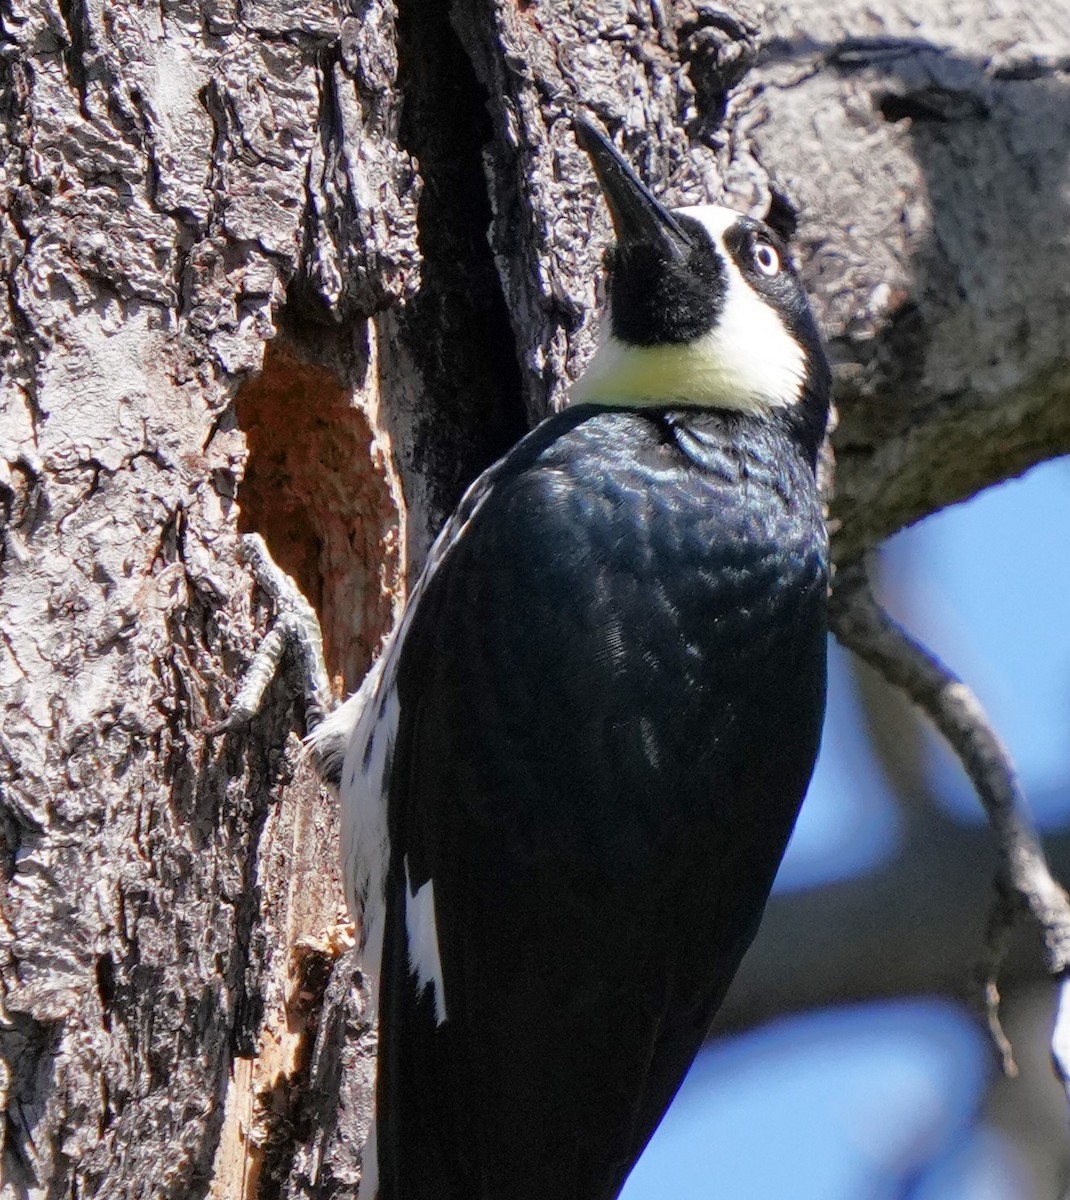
305, 269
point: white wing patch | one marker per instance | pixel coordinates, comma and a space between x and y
749, 362
367, 724
422, 932
365, 833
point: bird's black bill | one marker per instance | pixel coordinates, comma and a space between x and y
637, 216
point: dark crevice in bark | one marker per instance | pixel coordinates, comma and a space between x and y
782, 216
717, 50
930, 104
307, 299
17, 78
305, 295
74, 54
31, 1045
288, 1111
214, 103
457, 328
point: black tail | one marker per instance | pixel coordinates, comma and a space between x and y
416, 1152
546, 1091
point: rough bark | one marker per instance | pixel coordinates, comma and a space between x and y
304, 269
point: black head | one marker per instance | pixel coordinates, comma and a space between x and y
706, 310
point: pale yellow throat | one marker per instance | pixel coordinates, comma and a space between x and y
709, 372
748, 361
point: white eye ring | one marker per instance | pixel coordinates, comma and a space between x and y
766, 258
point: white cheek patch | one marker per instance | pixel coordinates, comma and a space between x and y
749, 362
422, 931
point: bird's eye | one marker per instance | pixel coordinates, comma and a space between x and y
766, 258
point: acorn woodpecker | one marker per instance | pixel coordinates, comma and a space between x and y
569, 781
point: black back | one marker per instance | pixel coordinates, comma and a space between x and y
611, 698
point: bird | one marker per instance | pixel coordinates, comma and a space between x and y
568, 782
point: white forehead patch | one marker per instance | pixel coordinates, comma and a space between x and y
717, 219
748, 362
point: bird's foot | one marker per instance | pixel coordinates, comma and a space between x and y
296, 625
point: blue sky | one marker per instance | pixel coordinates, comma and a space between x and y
846, 1104
882, 1101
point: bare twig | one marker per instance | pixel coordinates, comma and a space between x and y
1005, 911
1023, 877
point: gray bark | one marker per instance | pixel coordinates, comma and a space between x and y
304, 269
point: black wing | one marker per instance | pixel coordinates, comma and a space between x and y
606, 728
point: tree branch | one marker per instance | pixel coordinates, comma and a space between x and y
1023, 877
